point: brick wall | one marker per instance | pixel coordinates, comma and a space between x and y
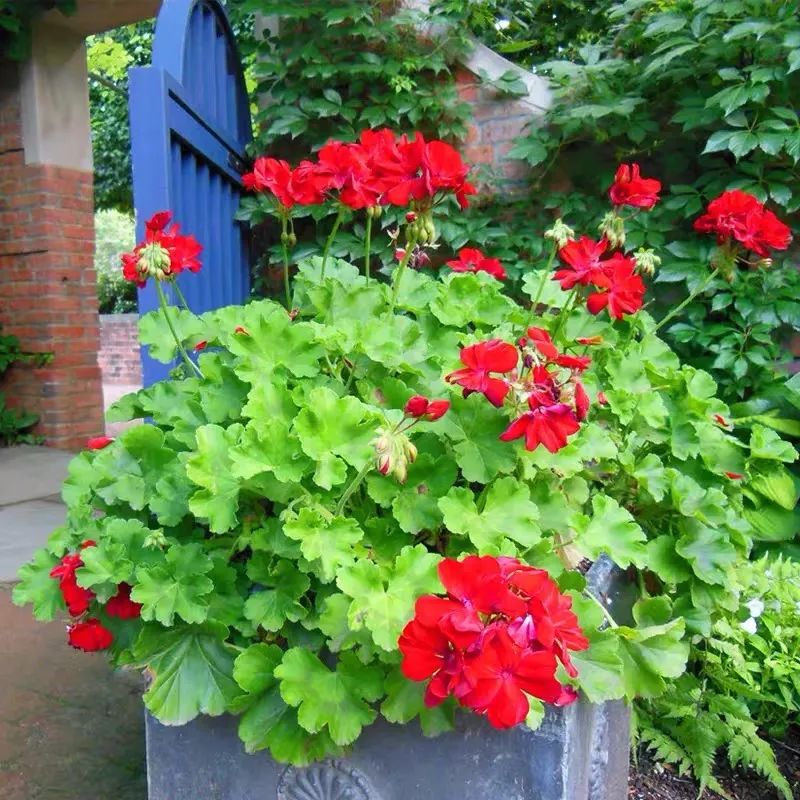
119, 357
47, 283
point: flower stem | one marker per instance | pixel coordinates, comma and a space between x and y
180, 295
410, 244
329, 242
285, 252
563, 315
699, 290
162, 299
354, 484
546, 270
367, 245
599, 603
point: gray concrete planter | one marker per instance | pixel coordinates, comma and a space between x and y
579, 753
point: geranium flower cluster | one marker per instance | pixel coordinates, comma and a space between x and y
471, 259
89, 634
494, 640
379, 169
615, 281
736, 216
538, 384
163, 254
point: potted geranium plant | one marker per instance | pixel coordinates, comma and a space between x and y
412, 500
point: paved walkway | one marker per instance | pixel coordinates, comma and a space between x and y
30, 502
70, 728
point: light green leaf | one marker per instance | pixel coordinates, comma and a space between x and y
612, 530
507, 512
191, 669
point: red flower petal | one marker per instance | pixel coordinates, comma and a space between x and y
89, 636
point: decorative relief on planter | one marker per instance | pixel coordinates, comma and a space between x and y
330, 780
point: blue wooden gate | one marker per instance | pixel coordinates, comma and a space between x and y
190, 123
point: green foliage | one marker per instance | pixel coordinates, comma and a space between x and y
114, 234
742, 681
17, 18
700, 93
276, 567
16, 424
335, 68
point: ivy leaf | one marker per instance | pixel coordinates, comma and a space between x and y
384, 603
274, 341
611, 530
507, 512
273, 606
267, 722
269, 447
342, 426
191, 668
765, 443
600, 668
176, 586
651, 654
37, 587
337, 700
211, 467
708, 550
329, 541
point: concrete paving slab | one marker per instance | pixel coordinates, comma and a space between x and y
24, 527
70, 727
29, 473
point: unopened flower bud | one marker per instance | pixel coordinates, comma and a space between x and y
523, 341
292, 240
383, 444
400, 471
560, 233
284, 238
646, 261
155, 539
384, 464
528, 361
411, 451
613, 228
763, 263
399, 254
411, 216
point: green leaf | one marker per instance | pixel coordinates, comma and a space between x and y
273, 606
652, 476
337, 700
177, 586
765, 443
507, 512
651, 654
776, 484
708, 551
37, 587
600, 668
475, 426
253, 669
663, 559
612, 530
383, 603
336, 426
104, 563
470, 298
191, 669
329, 541
211, 467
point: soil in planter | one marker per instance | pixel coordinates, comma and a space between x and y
650, 781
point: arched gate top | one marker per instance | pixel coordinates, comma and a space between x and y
194, 43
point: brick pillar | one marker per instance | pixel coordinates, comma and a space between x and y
47, 279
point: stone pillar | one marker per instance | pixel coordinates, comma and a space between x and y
47, 279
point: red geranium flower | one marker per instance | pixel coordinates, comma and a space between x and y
503, 674
582, 258
579, 363
740, 216
420, 407
621, 289
720, 420
121, 605
76, 598
734, 476
543, 343
630, 189
547, 425
271, 175
89, 636
477, 583
163, 254
472, 260
98, 442
581, 402
480, 360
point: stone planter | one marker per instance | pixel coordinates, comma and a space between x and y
579, 753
